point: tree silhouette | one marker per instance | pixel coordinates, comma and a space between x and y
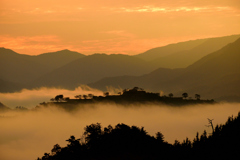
159, 136
78, 96
59, 98
21, 108
85, 96
56, 149
73, 141
185, 95
108, 129
203, 137
106, 94
125, 142
46, 156
197, 96
170, 95
92, 134
66, 98
90, 96
210, 124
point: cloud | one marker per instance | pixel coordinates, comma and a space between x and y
43, 42
31, 98
175, 9
119, 33
30, 134
112, 27
115, 42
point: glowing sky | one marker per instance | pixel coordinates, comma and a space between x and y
107, 26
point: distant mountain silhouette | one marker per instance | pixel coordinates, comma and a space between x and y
216, 75
183, 54
54, 60
147, 81
69, 69
6, 86
3, 107
20, 68
92, 68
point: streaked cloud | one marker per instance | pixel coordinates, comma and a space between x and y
173, 9
120, 42
126, 26
31, 43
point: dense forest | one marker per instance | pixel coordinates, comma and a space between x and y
132, 142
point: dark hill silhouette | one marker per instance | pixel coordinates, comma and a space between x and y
69, 69
22, 68
124, 142
183, 54
127, 97
167, 50
18, 68
54, 60
3, 107
6, 86
92, 68
217, 72
215, 75
147, 81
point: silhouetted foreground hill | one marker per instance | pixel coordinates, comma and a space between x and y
183, 54
125, 142
22, 68
215, 76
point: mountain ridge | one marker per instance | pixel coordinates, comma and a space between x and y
186, 53
92, 67
209, 76
21, 68
80, 69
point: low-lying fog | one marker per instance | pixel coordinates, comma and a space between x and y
28, 135
30, 98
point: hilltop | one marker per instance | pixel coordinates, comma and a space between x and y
127, 96
21, 68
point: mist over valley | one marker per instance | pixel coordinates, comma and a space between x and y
31, 133
208, 68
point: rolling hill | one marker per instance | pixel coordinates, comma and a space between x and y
216, 76
68, 69
183, 54
92, 68
54, 60
20, 68
6, 86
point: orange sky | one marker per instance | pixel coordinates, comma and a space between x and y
107, 26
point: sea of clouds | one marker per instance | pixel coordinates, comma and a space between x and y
29, 134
